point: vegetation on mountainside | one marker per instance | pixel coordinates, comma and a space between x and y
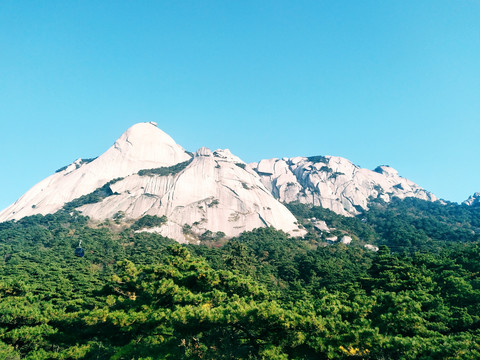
77, 165
92, 198
149, 221
318, 159
436, 221
263, 295
403, 225
166, 170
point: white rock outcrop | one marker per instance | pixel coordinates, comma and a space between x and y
213, 191
210, 190
371, 247
346, 240
334, 183
320, 225
142, 146
473, 200
332, 238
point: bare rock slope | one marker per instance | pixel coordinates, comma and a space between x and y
334, 183
141, 146
146, 173
473, 200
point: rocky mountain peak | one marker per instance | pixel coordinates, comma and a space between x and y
146, 173
204, 151
142, 146
210, 193
473, 200
334, 183
146, 142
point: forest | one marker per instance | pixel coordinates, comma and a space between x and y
261, 295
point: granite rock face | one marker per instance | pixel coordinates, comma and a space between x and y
334, 183
152, 175
146, 173
142, 146
214, 192
473, 200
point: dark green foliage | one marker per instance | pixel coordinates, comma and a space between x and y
187, 229
165, 171
351, 225
413, 224
398, 186
263, 295
241, 165
379, 169
318, 159
210, 236
213, 203
94, 197
82, 161
335, 175
207, 235
403, 225
149, 221
61, 169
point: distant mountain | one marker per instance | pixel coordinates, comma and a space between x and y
209, 194
473, 200
334, 183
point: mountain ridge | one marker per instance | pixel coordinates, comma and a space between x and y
146, 173
137, 176
334, 183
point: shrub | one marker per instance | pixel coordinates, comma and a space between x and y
317, 159
165, 171
336, 174
149, 221
213, 203
187, 229
398, 186
82, 161
92, 198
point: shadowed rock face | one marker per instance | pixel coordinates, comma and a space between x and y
213, 191
334, 183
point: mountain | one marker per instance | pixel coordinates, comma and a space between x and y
334, 183
208, 194
146, 173
214, 192
473, 200
260, 295
142, 146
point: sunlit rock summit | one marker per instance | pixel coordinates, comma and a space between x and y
334, 183
146, 173
473, 200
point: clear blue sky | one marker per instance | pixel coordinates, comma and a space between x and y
377, 82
